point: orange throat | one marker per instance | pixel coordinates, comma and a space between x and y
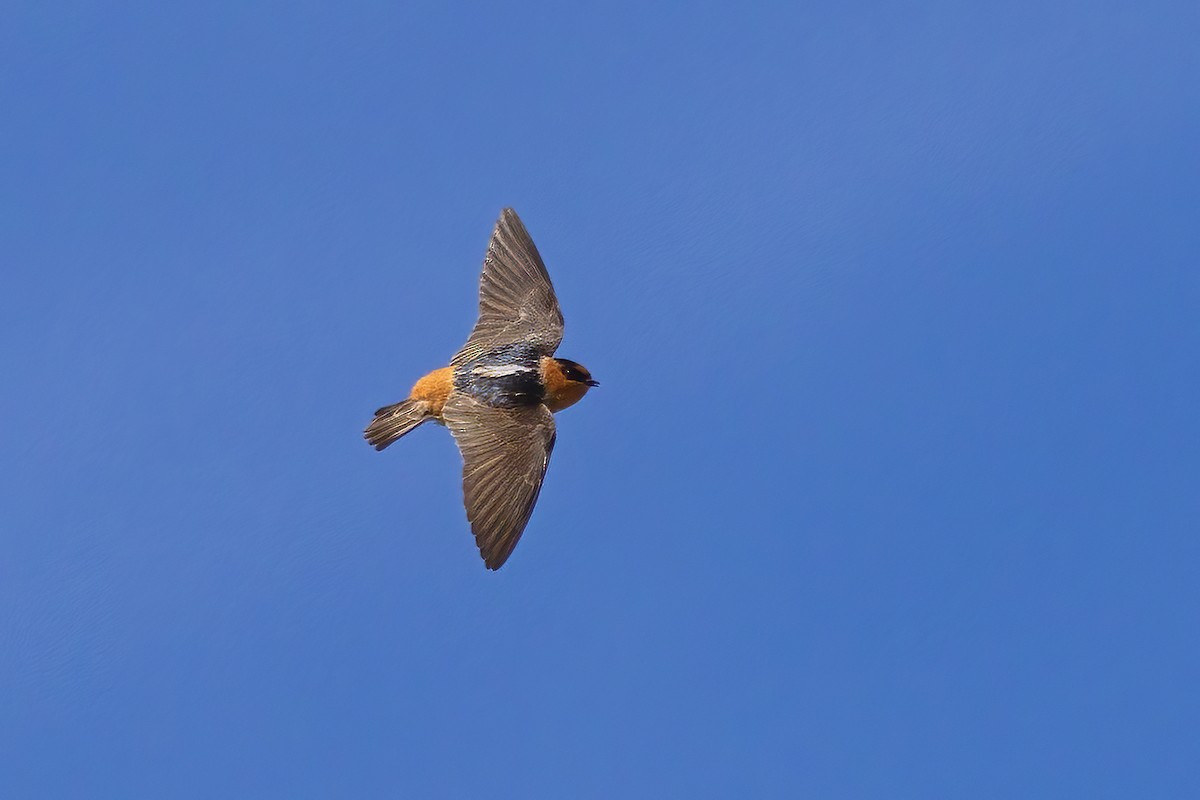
560, 392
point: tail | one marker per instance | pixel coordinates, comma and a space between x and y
392, 422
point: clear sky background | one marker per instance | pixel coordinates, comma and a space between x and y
890, 489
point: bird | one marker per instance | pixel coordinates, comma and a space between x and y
500, 392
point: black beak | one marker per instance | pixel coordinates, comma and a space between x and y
591, 382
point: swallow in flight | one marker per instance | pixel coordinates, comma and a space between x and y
499, 393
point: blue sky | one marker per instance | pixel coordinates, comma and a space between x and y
890, 489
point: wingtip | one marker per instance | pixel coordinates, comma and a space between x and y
492, 559
494, 562
509, 215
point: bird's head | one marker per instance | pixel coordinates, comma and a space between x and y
570, 388
576, 372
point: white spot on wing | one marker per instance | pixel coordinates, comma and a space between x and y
485, 371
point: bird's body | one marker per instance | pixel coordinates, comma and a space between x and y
499, 392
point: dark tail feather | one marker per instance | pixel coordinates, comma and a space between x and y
392, 422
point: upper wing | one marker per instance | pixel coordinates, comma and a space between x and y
505, 452
516, 299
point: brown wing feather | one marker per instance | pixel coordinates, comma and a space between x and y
516, 298
505, 452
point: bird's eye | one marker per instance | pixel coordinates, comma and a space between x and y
574, 372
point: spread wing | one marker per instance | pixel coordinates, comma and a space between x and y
516, 300
505, 452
